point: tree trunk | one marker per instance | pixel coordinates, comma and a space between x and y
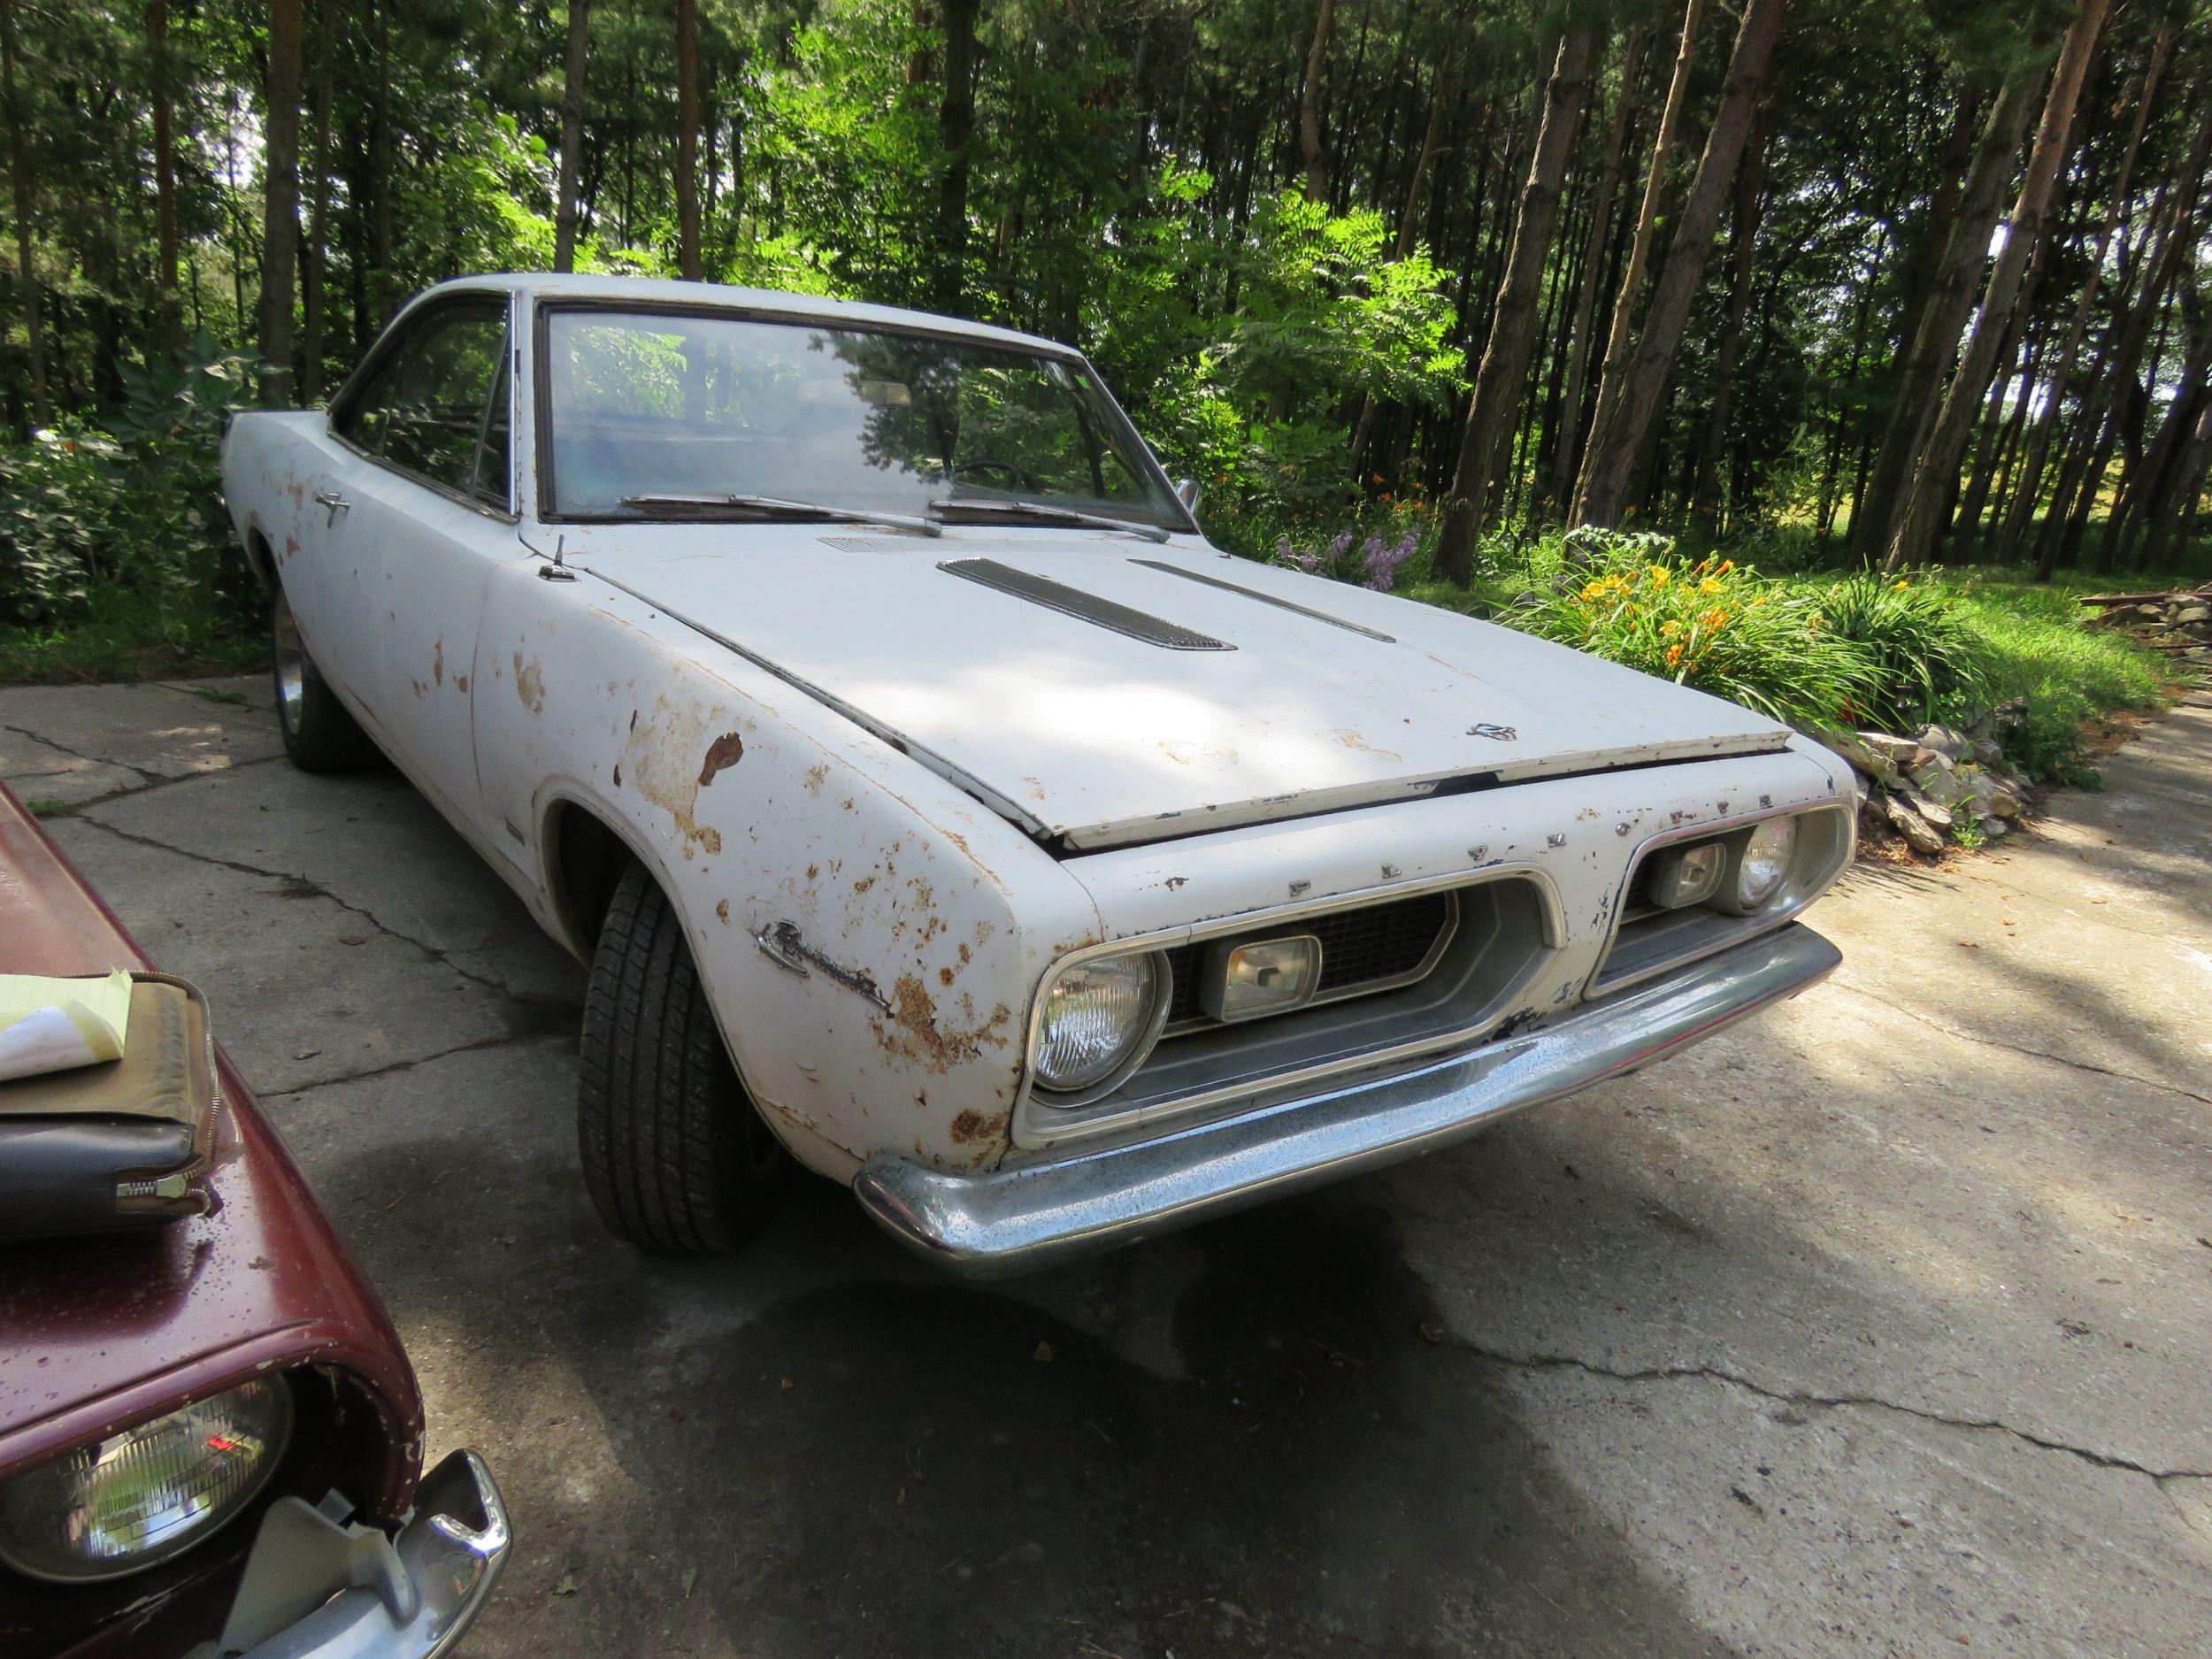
688, 141
1566, 448
1309, 105
20, 178
1743, 245
1936, 477
956, 127
2063, 527
2168, 524
280, 200
1942, 311
2027, 486
1503, 373
315, 264
165, 238
2151, 493
1613, 365
572, 136
1618, 435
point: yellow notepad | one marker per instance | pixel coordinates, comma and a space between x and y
51, 1024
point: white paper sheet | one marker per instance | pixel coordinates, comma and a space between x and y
53, 1025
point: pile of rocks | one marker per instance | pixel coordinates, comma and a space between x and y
1930, 788
2179, 623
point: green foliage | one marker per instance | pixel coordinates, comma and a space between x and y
1254, 401
1712, 625
1861, 651
88, 514
1927, 659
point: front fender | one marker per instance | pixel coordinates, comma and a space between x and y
922, 922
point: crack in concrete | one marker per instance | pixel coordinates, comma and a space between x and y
1933, 1024
389, 1067
302, 884
78, 754
1799, 1397
150, 783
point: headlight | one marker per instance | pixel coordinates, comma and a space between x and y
1097, 1016
1760, 864
121, 1504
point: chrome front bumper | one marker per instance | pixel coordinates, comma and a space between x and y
315, 1588
1015, 1220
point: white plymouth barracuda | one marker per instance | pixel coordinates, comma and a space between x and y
937, 810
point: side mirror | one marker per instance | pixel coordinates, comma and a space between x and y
1187, 492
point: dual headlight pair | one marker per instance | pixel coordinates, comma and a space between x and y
1737, 874
1100, 1016
139, 1498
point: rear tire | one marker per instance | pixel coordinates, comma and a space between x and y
675, 1155
320, 735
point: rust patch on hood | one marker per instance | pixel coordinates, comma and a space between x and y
912, 1032
725, 752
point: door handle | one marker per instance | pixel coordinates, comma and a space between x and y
336, 502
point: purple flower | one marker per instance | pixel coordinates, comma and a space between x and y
1380, 562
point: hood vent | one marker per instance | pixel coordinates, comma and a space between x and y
1073, 602
1266, 599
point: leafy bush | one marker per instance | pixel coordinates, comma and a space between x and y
1713, 625
1927, 658
128, 518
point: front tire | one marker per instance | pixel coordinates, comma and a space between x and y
676, 1157
320, 735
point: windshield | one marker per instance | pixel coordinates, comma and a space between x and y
660, 415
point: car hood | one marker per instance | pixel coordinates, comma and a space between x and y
1100, 690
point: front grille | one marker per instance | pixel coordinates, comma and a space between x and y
1362, 950
1402, 977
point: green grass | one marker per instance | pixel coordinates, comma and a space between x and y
45, 806
124, 635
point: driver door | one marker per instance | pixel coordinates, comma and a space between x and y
427, 522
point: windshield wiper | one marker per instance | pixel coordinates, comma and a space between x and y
1061, 515
782, 508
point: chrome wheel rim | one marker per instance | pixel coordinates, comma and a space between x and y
291, 667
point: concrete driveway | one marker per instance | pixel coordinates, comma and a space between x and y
1877, 1326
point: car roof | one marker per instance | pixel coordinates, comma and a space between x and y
660, 291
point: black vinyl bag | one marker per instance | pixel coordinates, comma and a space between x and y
120, 1145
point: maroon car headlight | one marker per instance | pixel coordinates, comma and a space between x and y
138, 1498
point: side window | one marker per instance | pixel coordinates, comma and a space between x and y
438, 407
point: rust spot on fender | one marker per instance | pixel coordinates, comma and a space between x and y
722, 754
529, 684
722, 911
660, 768
912, 1032
618, 774
437, 661
944, 976
816, 777
973, 1125
461, 683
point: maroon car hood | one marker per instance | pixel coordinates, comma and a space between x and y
104, 1331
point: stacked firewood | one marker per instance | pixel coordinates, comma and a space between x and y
2179, 621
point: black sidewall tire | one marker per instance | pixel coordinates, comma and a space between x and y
325, 737
675, 1155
